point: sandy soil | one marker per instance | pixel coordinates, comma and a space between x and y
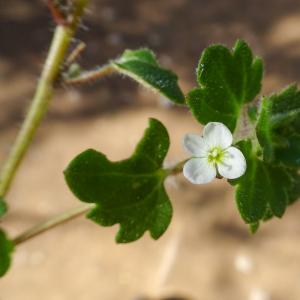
207, 253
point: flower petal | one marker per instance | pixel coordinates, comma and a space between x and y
199, 171
217, 134
195, 145
233, 164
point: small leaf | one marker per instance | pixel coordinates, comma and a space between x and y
265, 190
73, 71
278, 128
227, 79
142, 66
3, 207
6, 249
128, 192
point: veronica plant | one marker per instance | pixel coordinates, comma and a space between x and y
252, 141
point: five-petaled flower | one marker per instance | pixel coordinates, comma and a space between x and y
212, 155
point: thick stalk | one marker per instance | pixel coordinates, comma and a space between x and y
44, 92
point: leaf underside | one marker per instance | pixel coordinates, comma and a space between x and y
142, 66
129, 192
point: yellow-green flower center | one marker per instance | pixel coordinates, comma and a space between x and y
215, 155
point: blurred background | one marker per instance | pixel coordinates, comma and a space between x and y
207, 252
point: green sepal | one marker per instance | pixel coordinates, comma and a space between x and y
227, 79
6, 249
129, 192
142, 66
278, 127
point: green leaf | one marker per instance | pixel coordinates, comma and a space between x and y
227, 79
251, 191
3, 207
6, 249
292, 185
142, 66
129, 192
264, 190
278, 128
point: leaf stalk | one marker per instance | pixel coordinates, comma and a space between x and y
51, 223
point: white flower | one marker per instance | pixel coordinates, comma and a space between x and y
212, 154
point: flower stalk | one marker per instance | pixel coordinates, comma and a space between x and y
176, 169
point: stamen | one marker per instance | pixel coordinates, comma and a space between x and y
215, 155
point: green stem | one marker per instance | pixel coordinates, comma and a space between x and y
44, 92
51, 223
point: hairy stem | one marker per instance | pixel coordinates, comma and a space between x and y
52, 222
44, 92
90, 76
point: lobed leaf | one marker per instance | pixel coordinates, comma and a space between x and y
227, 79
251, 192
142, 66
278, 127
129, 192
6, 249
264, 190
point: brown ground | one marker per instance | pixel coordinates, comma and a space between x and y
207, 253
